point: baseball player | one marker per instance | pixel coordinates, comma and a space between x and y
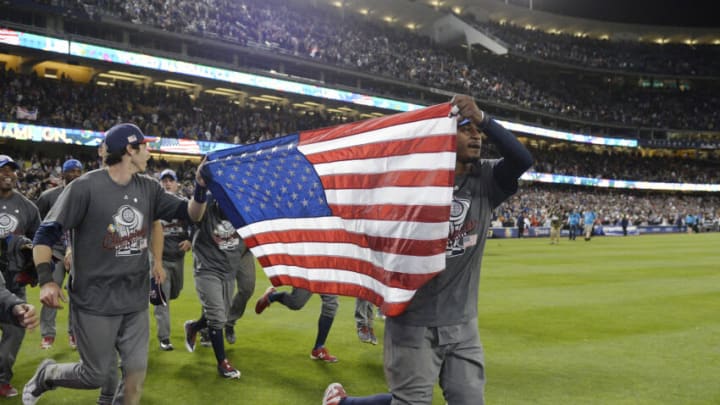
17, 311
108, 213
218, 255
177, 242
71, 169
18, 217
295, 300
437, 337
588, 222
364, 318
245, 284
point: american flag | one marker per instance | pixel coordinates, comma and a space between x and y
359, 209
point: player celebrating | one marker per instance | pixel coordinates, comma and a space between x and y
18, 217
71, 169
437, 337
109, 212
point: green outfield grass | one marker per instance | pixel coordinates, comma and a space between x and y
631, 320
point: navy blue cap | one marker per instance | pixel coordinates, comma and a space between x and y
157, 297
121, 135
72, 164
168, 173
463, 122
7, 160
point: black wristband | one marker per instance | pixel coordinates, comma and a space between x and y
200, 193
44, 272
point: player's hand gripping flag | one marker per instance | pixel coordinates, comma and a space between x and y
359, 209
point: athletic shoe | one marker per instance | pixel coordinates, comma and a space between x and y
47, 342
31, 392
190, 336
165, 345
334, 393
373, 338
227, 370
364, 334
230, 334
72, 342
264, 301
7, 391
205, 338
323, 354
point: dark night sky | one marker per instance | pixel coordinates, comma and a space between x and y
688, 13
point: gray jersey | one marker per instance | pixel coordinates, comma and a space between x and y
174, 231
451, 298
110, 225
44, 203
18, 216
217, 247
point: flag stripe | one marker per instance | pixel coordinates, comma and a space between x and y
389, 229
446, 161
436, 135
394, 212
380, 244
336, 252
341, 277
400, 178
347, 130
398, 195
383, 300
381, 277
433, 144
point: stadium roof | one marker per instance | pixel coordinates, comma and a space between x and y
674, 21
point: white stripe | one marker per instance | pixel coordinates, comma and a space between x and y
410, 130
388, 229
391, 295
387, 261
416, 161
441, 196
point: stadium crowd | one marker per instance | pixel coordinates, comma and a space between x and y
399, 54
176, 114
631, 56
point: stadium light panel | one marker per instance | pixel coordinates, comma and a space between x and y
171, 85
119, 77
180, 83
126, 74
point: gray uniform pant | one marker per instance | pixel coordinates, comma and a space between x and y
47, 314
364, 313
215, 294
298, 297
416, 357
245, 282
100, 338
172, 286
12, 337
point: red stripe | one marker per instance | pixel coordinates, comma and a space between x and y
326, 134
400, 147
400, 178
351, 290
388, 212
408, 247
389, 278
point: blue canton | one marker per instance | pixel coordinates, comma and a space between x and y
266, 180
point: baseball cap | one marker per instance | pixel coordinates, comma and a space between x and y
7, 160
121, 135
157, 297
462, 122
72, 164
168, 173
